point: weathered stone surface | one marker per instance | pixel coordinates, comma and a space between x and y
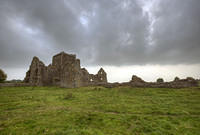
65, 71
137, 79
36, 74
14, 84
138, 82
99, 78
135, 82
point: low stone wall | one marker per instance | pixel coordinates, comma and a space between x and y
14, 84
182, 83
135, 82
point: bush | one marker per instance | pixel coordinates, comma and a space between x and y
3, 76
160, 80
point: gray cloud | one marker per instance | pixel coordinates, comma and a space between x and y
177, 30
100, 32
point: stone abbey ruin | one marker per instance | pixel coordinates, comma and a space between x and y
65, 71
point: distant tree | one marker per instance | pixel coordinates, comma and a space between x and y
160, 80
3, 76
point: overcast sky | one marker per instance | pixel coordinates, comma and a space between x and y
149, 38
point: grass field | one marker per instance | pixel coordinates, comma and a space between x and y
99, 111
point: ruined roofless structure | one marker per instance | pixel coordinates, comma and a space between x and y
65, 71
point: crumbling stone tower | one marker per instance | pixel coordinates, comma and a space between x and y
68, 71
36, 73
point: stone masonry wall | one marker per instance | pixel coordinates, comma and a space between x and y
138, 82
65, 71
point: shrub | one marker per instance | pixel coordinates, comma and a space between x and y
160, 80
176, 79
3, 76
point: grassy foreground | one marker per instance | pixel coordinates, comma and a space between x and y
99, 111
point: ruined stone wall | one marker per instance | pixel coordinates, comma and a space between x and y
138, 82
65, 71
99, 78
36, 74
102, 76
14, 84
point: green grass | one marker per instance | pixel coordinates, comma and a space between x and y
99, 111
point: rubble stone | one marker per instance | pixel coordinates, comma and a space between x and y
136, 79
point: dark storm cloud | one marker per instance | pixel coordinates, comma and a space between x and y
177, 30
100, 32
